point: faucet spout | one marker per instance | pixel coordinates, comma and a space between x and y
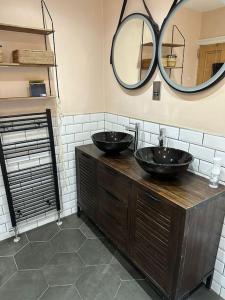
162, 137
136, 130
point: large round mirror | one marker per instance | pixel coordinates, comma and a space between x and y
192, 45
134, 51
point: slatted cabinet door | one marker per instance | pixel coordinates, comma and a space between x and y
86, 184
113, 196
154, 238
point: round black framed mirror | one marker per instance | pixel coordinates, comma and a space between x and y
134, 51
191, 52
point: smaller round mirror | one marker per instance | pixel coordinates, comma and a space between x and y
134, 51
191, 50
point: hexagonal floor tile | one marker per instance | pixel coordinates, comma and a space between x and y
61, 293
34, 255
136, 291
96, 252
125, 269
90, 230
8, 247
72, 222
68, 240
63, 269
204, 294
43, 233
7, 267
99, 282
24, 285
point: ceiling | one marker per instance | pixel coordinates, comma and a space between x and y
205, 5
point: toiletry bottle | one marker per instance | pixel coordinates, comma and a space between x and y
215, 173
1, 54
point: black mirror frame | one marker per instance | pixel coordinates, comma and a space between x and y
210, 83
155, 30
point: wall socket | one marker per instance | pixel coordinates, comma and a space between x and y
156, 91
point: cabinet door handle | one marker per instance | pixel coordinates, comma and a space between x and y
154, 199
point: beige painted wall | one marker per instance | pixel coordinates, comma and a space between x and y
204, 111
79, 38
127, 51
191, 31
213, 24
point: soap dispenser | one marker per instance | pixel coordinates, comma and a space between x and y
215, 173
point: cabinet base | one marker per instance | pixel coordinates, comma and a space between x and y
78, 211
208, 283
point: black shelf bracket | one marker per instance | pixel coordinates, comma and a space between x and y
44, 10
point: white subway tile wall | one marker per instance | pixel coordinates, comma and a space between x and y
77, 130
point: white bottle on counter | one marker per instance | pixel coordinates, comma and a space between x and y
1, 54
215, 173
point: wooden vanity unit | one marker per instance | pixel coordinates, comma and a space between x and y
169, 229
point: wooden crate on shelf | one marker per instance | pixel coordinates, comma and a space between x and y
34, 57
145, 64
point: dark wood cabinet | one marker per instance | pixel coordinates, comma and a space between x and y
87, 187
169, 229
154, 237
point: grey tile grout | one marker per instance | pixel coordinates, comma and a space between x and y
15, 263
8, 279
118, 290
42, 294
77, 290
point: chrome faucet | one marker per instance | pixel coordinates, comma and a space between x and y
162, 137
136, 130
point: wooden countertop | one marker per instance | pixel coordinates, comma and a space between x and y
185, 191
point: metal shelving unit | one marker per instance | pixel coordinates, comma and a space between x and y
146, 62
46, 32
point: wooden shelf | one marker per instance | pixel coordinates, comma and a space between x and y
168, 45
146, 63
29, 98
173, 68
24, 65
33, 30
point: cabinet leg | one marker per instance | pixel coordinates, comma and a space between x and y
78, 211
209, 281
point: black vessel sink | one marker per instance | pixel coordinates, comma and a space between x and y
162, 161
112, 142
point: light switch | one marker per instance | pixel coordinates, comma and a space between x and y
156, 91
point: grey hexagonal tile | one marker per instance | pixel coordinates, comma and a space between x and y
72, 222
125, 269
24, 285
34, 255
63, 269
7, 267
68, 240
204, 294
43, 233
61, 293
99, 282
136, 290
95, 252
8, 247
90, 230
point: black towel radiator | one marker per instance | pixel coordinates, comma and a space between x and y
35, 190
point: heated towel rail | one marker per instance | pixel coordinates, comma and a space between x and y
28, 164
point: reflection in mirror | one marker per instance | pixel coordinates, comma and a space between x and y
134, 51
192, 44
